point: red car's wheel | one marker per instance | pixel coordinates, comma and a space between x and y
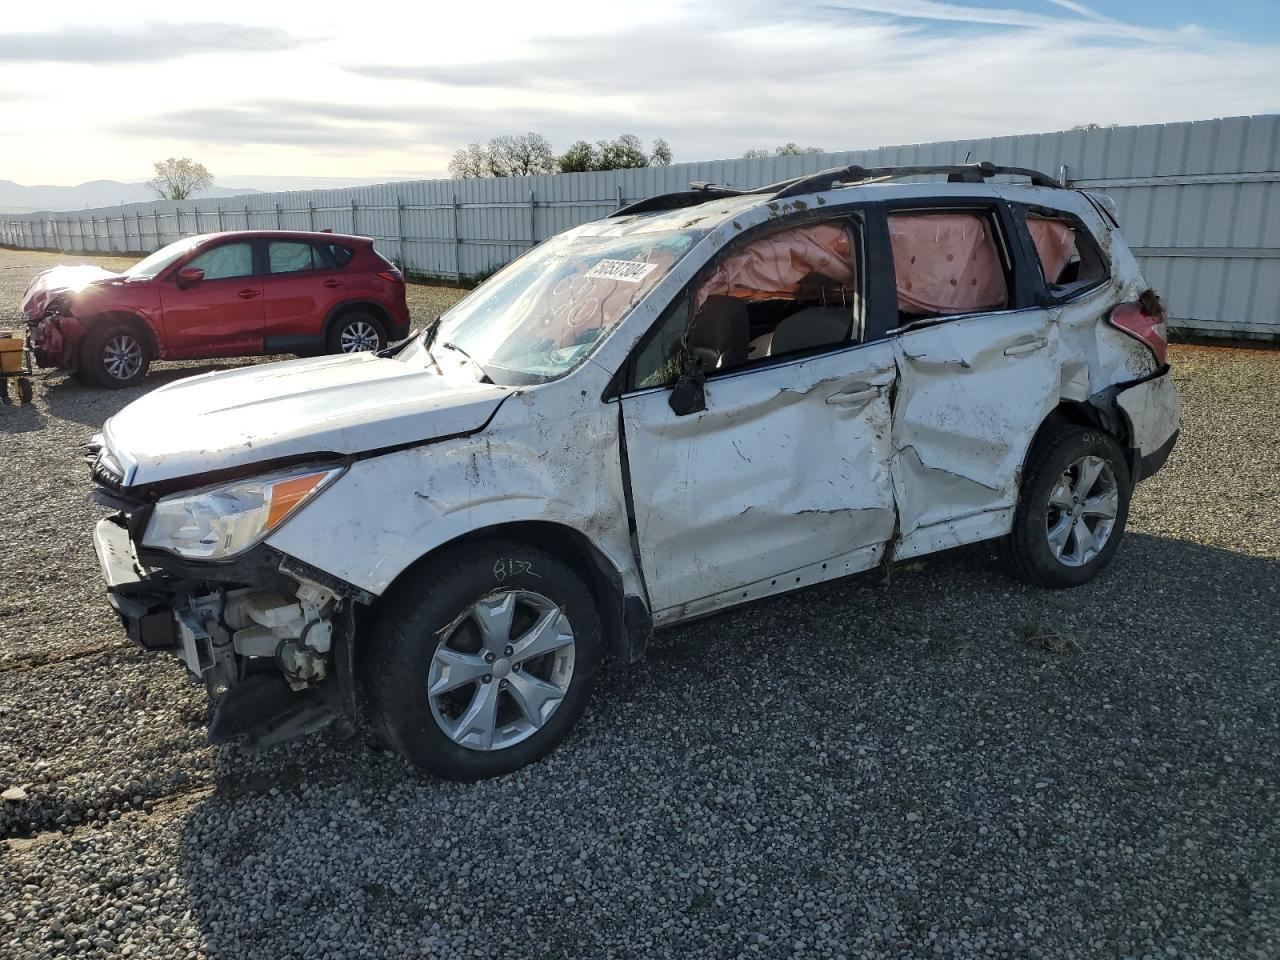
114, 355
357, 333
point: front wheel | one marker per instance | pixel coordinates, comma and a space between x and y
484, 660
114, 355
1072, 508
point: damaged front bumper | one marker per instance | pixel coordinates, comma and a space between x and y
53, 338
272, 646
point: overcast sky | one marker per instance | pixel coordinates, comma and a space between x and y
271, 93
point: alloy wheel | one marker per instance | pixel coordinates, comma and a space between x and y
501, 670
122, 357
1082, 510
357, 337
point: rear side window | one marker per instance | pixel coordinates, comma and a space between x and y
289, 256
1069, 259
946, 263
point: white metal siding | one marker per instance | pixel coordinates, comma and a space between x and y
1199, 204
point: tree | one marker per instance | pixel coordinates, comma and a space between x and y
626, 152
579, 158
511, 155
177, 179
790, 149
1094, 126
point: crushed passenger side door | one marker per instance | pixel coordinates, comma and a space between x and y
786, 468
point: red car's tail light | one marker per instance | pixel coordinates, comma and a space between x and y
391, 276
1143, 321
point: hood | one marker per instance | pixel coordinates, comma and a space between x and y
334, 405
50, 283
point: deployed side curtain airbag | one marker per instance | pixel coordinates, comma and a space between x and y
946, 263
1055, 242
774, 267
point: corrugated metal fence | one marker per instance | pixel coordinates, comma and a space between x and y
1199, 203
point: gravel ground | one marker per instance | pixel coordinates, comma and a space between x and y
945, 765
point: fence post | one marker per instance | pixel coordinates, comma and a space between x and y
404, 265
354, 229
42, 243
533, 230
221, 225
278, 227
155, 222
1062, 174
246, 217
619, 196
457, 242
311, 216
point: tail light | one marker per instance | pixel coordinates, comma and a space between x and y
391, 276
1144, 321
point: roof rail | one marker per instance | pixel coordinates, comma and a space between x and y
956, 173
701, 190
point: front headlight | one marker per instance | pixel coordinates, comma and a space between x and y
223, 521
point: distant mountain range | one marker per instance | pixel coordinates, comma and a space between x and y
17, 198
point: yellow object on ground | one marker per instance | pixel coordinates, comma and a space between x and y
10, 353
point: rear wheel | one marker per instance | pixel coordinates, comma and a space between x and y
114, 355
357, 332
1071, 510
484, 660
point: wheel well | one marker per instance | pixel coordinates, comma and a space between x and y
1100, 413
571, 548
359, 306
129, 319
1070, 413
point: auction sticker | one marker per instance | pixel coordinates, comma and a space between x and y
628, 271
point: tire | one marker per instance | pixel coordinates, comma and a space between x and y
356, 332
429, 635
1061, 537
114, 355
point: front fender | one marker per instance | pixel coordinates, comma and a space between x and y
388, 512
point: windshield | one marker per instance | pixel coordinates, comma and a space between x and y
154, 264
539, 317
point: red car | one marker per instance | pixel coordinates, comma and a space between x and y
233, 294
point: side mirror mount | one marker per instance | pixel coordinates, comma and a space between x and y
189, 277
689, 394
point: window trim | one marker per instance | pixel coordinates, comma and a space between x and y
1009, 246
1044, 295
852, 217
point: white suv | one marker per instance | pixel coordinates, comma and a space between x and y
707, 398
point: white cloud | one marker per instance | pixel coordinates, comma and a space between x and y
394, 95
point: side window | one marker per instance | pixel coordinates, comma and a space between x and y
225, 261
790, 292
946, 263
289, 256
1070, 261
333, 256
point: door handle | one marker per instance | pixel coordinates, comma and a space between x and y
860, 394
1026, 346
248, 294
331, 283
